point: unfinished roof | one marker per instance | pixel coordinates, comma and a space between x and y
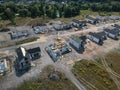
33, 50
101, 33
113, 31
25, 32
83, 38
68, 26
97, 35
76, 38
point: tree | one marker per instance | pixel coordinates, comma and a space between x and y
24, 13
34, 9
2, 8
8, 15
54, 13
67, 12
12, 6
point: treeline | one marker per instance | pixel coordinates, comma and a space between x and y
91, 1
96, 0
11, 10
107, 7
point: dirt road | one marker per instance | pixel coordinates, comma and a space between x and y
11, 80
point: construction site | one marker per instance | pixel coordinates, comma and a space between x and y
58, 49
60, 45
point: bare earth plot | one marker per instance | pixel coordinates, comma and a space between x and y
44, 82
4, 37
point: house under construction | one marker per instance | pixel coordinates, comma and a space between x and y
57, 49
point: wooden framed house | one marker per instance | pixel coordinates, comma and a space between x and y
25, 57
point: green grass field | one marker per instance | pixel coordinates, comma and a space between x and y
93, 74
30, 21
18, 42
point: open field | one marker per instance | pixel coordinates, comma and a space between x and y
4, 37
113, 60
33, 21
89, 12
4, 23
85, 13
92, 73
18, 42
44, 83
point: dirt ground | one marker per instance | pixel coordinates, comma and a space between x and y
4, 37
92, 51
